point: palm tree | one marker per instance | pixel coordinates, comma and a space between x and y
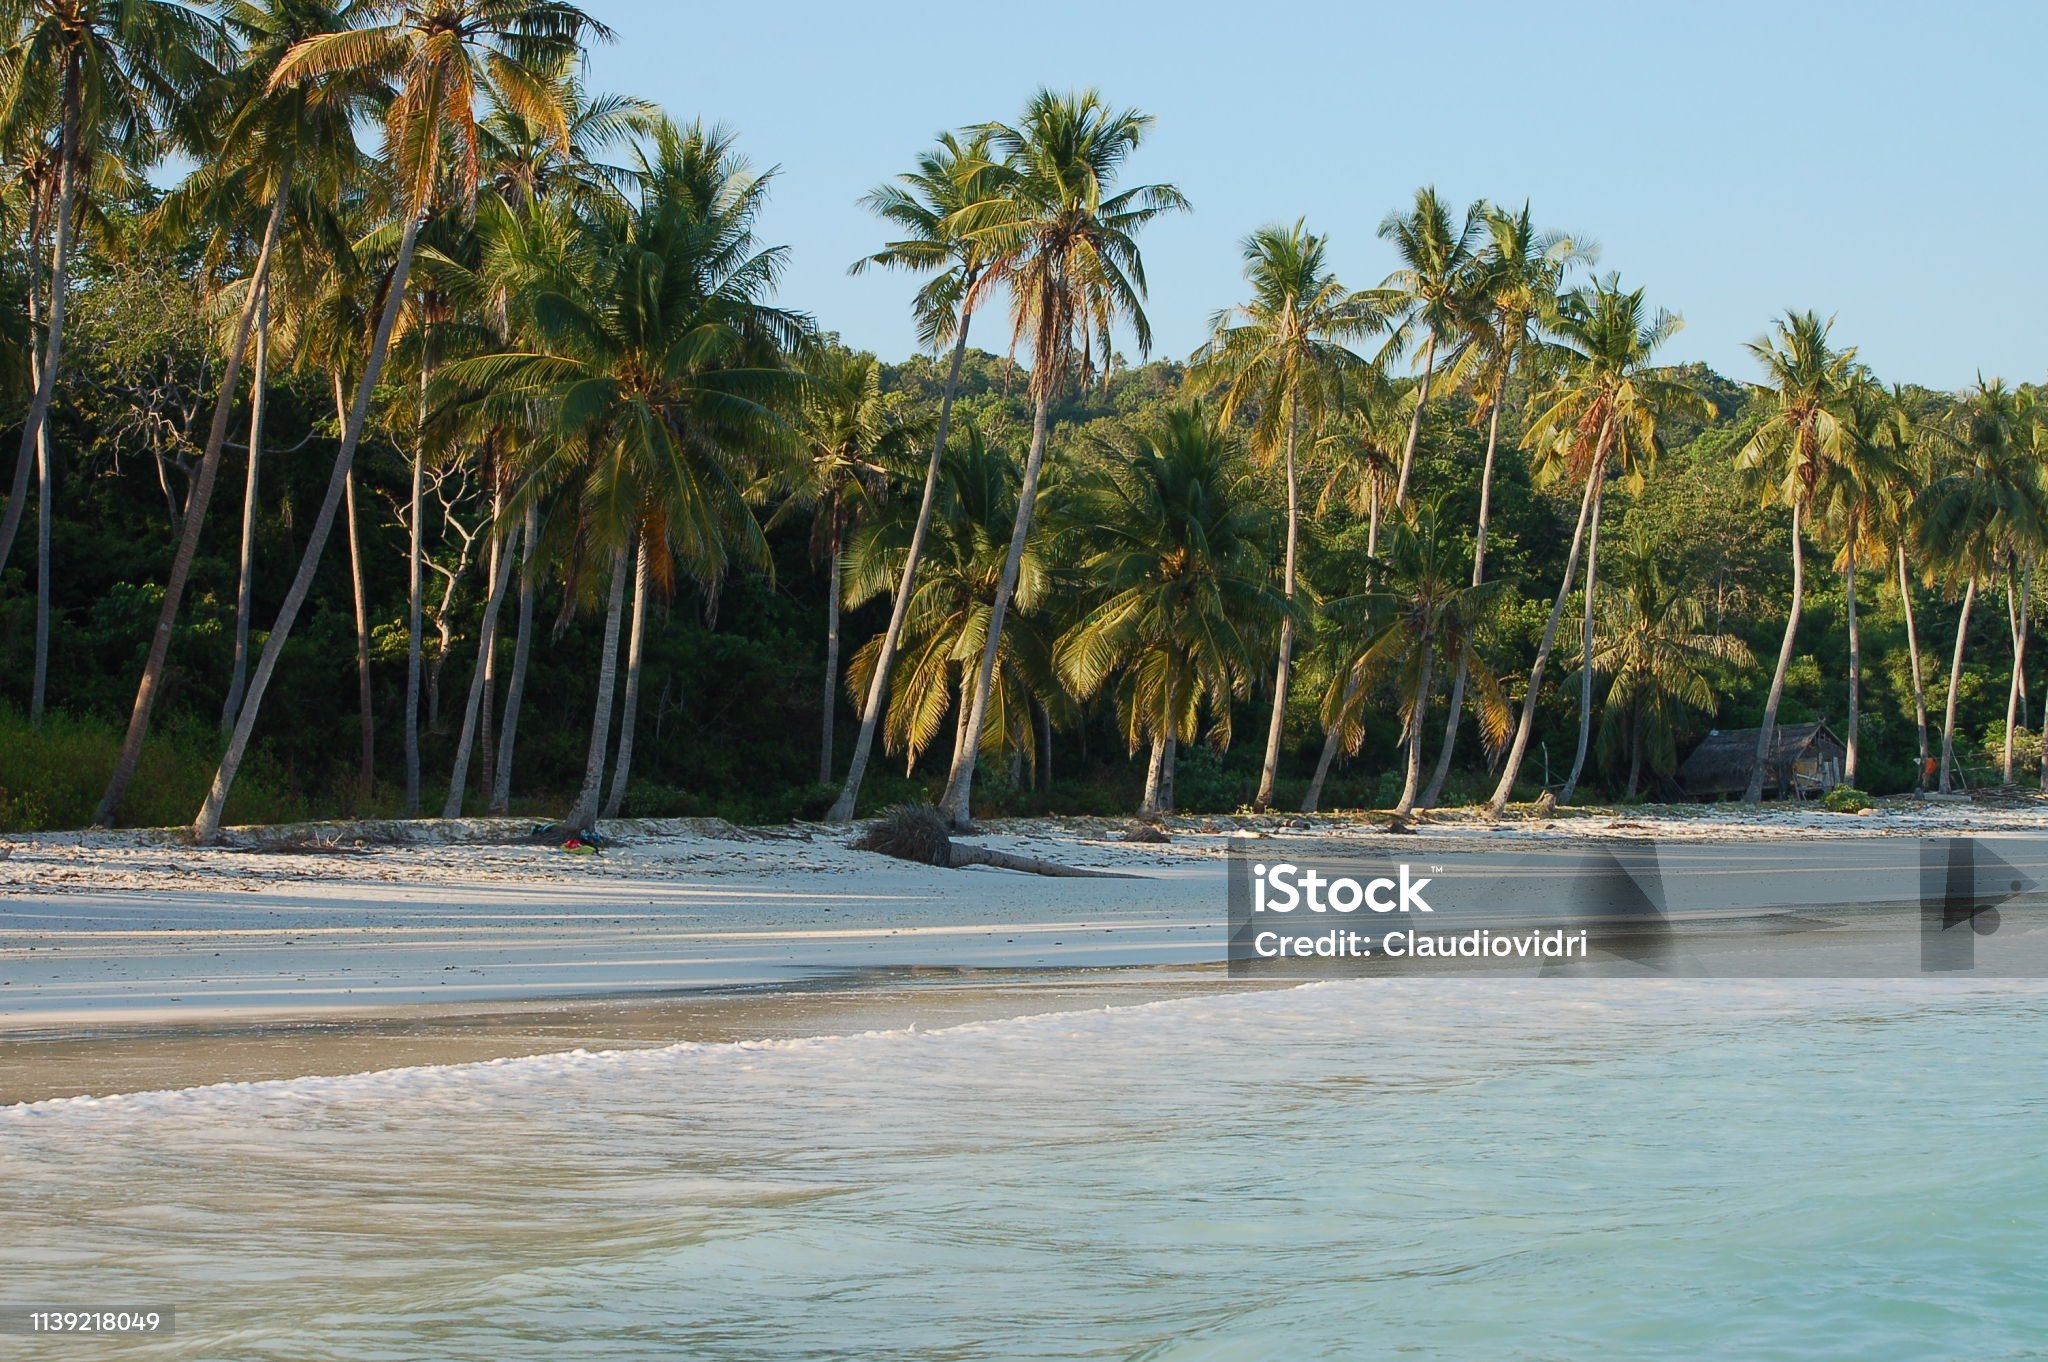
273, 143
1601, 408
657, 371
1063, 247
437, 55
1658, 657
1435, 287
1361, 449
1176, 550
927, 206
946, 621
848, 430
1988, 507
110, 74
1421, 617
1518, 273
1286, 356
1854, 511
1791, 453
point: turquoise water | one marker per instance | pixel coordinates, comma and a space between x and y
1436, 1169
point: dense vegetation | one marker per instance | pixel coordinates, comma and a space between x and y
440, 443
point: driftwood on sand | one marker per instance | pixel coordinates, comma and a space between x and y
921, 832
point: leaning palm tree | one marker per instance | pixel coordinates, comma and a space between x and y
1435, 289
1658, 656
1519, 272
1064, 248
946, 621
436, 55
1286, 356
110, 74
1421, 617
1988, 507
1601, 408
1175, 546
657, 374
276, 146
927, 205
1791, 453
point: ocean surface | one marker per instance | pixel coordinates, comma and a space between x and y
1458, 1168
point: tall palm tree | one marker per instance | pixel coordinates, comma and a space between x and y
1421, 616
928, 206
110, 74
1658, 656
1854, 510
1176, 549
1286, 355
1988, 507
273, 144
849, 431
1600, 410
1791, 453
435, 55
1064, 248
1435, 289
1360, 447
656, 369
1518, 272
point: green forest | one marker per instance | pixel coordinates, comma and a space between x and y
437, 440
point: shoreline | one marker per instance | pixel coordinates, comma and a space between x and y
128, 959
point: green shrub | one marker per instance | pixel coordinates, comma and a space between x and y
52, 776
1845, 799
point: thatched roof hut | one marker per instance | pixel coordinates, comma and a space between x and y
1804, 759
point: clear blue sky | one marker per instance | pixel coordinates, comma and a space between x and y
1881, 161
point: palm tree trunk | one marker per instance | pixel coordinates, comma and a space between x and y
195, 516
1314, 798
830, 708
1855, 666
1155, 771
1269, 773
39, 686
245, 584
584, 812
1511, 769
1415, 419
515, 688
2019, 659
1919, 688
412, 610
53, 334
1764, 735
487, 640
366, 771
503, 547
629, 712
1571, 783
206, 824
1635, 751
1417, 718
959, 795
1955, 684
1435, 788
899, 610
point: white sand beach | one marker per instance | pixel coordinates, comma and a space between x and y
124, 953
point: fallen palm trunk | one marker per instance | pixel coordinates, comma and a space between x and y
922, 832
